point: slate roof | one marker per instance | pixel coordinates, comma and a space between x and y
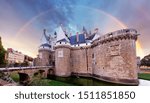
46, 45
62, 40
91, 37
73, 39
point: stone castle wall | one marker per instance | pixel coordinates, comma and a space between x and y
111, 57
116, 61
46, 57
81, 60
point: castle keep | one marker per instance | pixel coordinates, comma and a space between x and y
110, 57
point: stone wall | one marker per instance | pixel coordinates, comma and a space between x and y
37, 61
52, 58
110, 58
81, 60
44, 57
115, 60
90, 60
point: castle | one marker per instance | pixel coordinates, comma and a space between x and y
110, 57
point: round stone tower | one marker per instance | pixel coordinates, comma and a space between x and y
44, 55
115, 57
62, 59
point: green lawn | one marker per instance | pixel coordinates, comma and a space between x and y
144, 76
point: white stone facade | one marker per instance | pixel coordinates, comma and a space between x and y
14, 56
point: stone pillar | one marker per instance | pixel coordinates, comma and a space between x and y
62, 60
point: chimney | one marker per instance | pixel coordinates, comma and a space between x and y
77, 37
70, 34
84, 32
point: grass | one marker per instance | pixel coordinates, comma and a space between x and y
36, 81
15, 76
144, 76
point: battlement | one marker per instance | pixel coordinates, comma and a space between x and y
62, 46
62, 43
112, 36
116, 35
123, 31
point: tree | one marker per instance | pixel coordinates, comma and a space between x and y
2, 54
146, 61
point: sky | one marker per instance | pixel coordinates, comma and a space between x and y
22, 21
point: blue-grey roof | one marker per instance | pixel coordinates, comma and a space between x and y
46, 45
91, 37
62, 40
73, 39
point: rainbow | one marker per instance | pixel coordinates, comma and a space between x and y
139, 49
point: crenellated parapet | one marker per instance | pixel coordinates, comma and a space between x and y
62, 46
115, 36
81, 47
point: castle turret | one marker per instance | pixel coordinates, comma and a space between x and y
115, 57
62, 55
62, 59
44, 54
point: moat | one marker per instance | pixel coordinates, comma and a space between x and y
83, 81
72, 81
37, 80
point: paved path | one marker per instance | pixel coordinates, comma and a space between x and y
144, 82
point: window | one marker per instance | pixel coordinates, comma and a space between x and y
92, 55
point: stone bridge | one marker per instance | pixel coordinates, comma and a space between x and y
26, 73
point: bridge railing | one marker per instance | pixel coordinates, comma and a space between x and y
30, 67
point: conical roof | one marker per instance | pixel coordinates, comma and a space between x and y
60, 34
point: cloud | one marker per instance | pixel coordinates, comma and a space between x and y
15, 14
